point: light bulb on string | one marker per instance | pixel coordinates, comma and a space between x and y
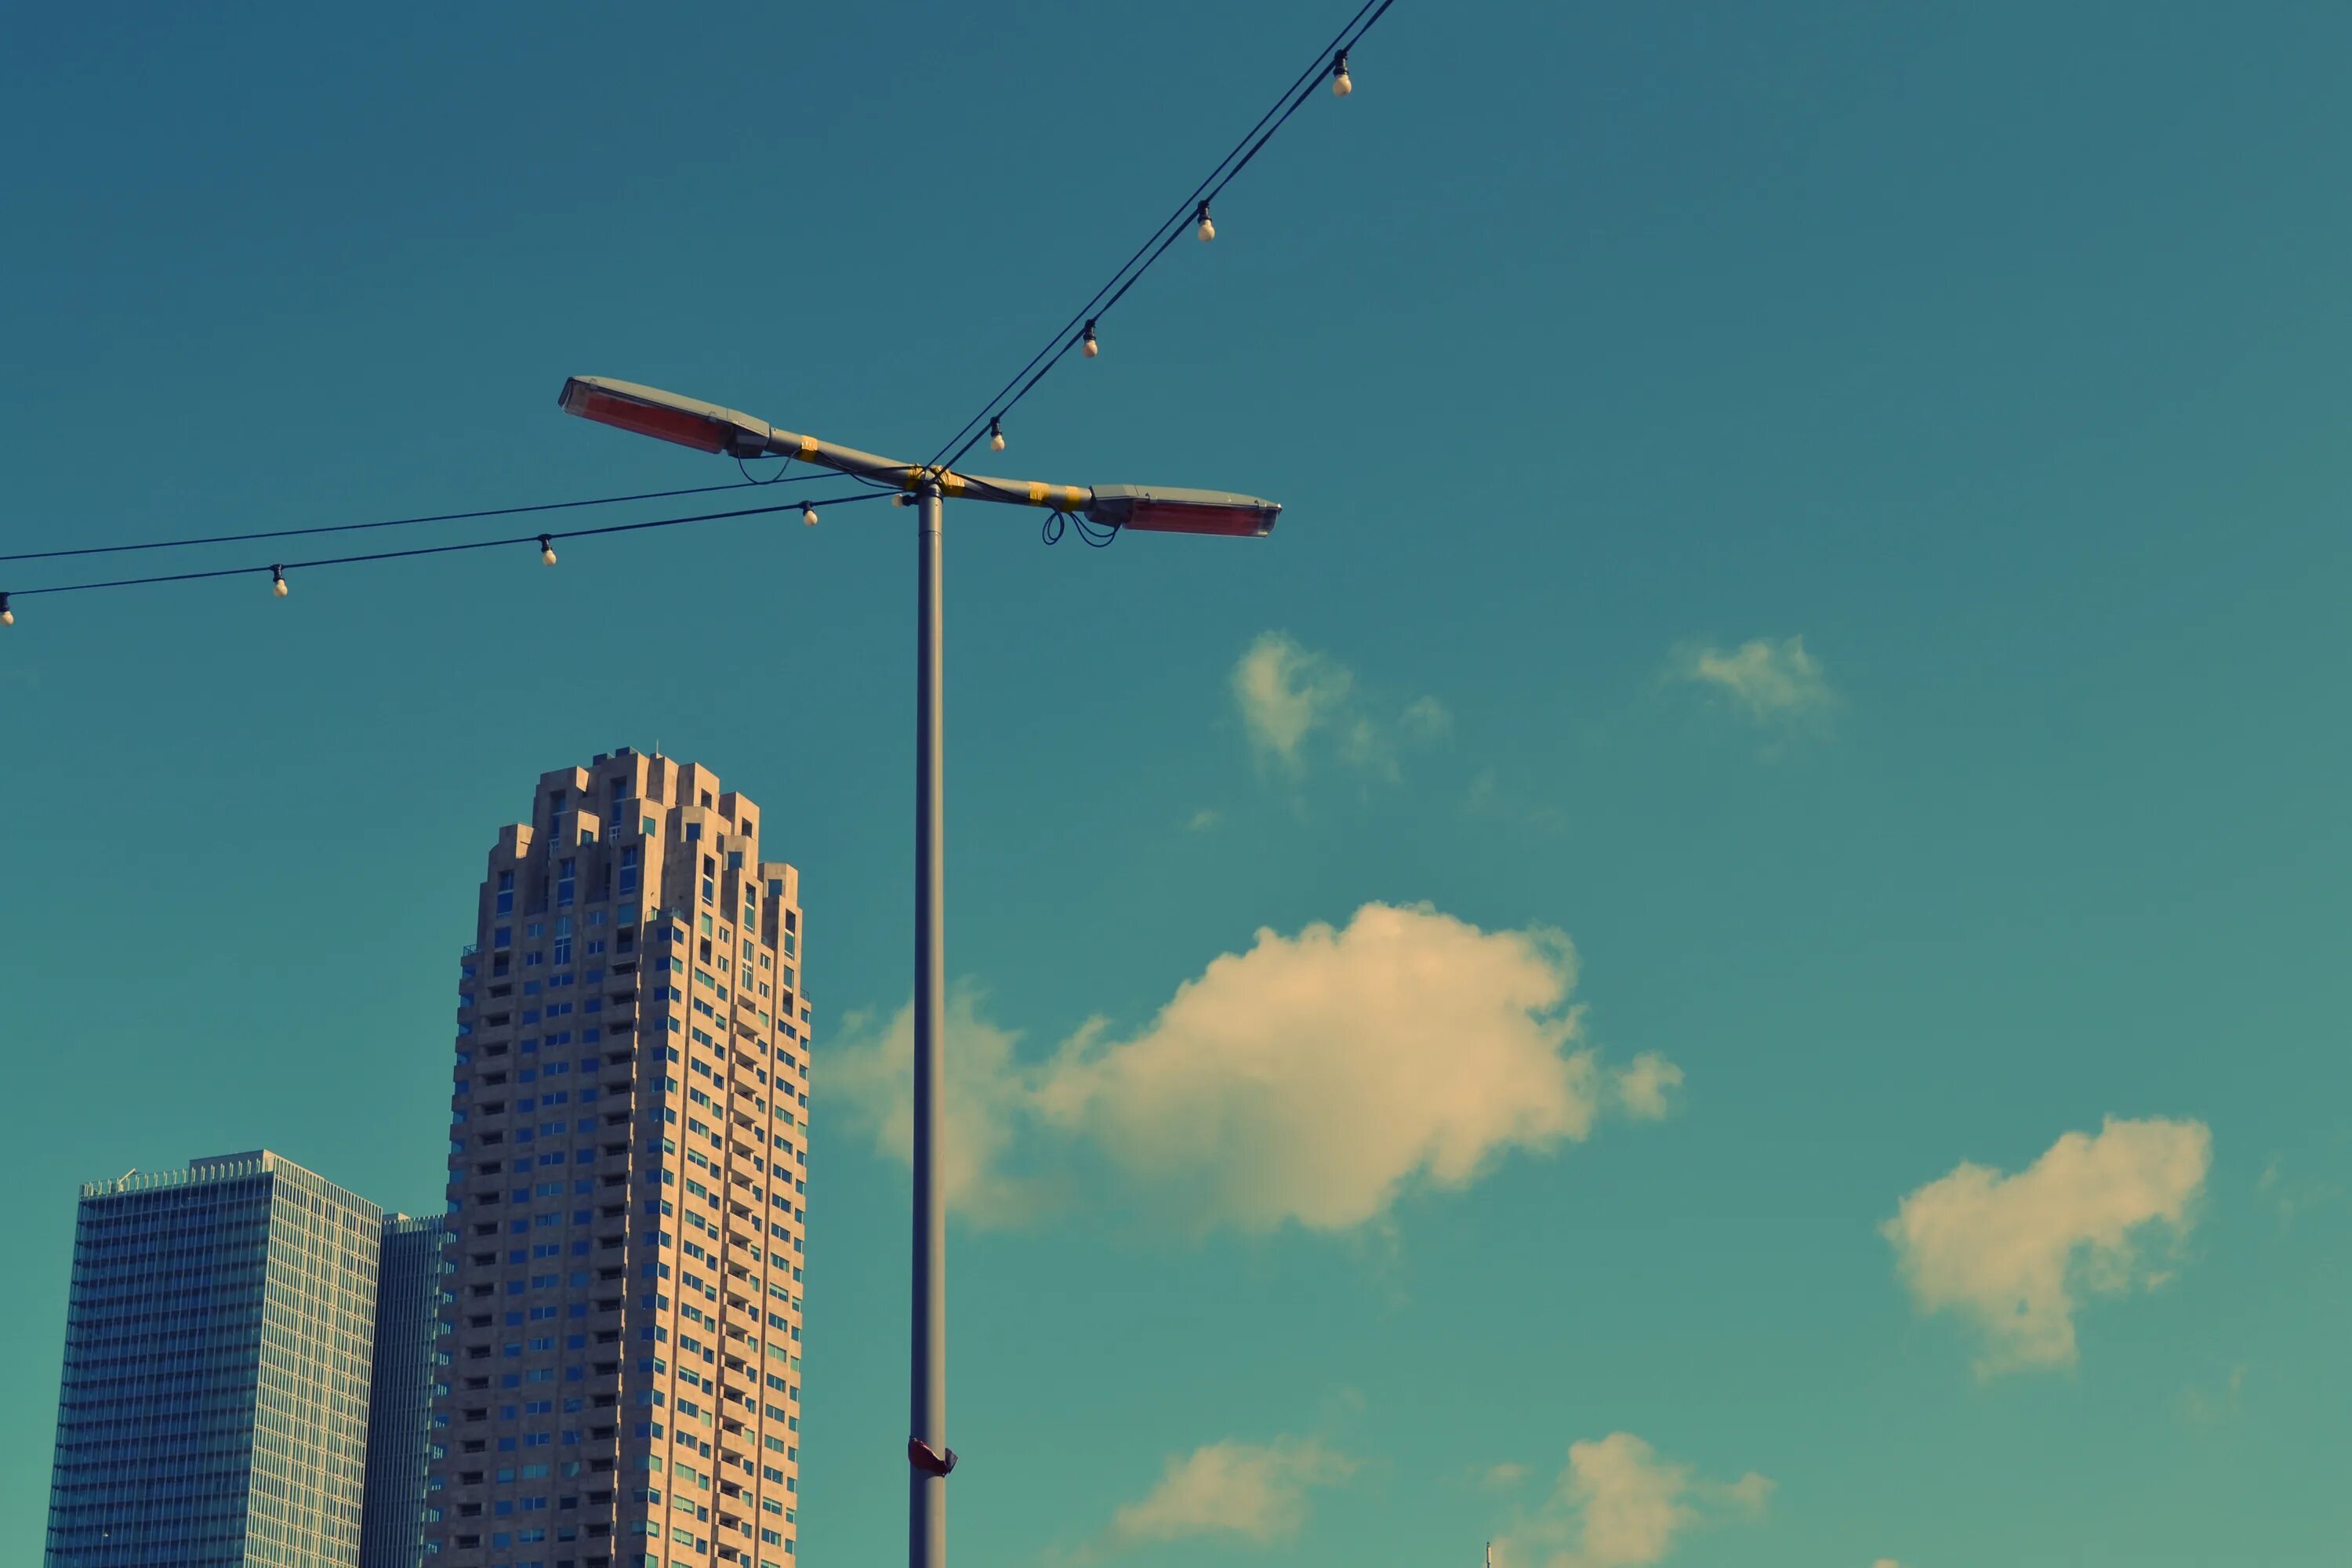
1087, 345
277, 581
546, 551
995, 437
808, 516
1341, 86
7, 616
1207, 231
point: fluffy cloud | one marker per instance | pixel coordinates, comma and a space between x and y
1255, 1492
1619, 1505
1770, 682
1643, 1086
1286, 693
1310, 1079
1313, 1077
873, 1070
2015, 1255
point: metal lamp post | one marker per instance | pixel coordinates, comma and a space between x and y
711, 428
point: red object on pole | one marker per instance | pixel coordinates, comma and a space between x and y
646, 419
1173, 517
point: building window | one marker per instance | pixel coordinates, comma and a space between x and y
506, 892
567, 882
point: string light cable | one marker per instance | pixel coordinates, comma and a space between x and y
391, 521
1061, 334
1330, 63
1193, 212
543, 542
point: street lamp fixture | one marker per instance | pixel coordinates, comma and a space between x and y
708, 427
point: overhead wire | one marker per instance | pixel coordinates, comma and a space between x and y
1062, 332
1194, 206
389, 523
1227, 168
278, 569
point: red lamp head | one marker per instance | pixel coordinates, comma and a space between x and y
1162, 510
649, 411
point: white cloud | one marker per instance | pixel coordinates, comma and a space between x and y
1286, 693
872, 1069
1311, 1079
1641, 1086
1619, 1505
1426, 719
2015, 1255
1887, 1562
1256, 1492
1630, 1502
1201, 820
1770, 682
1503, 1477
1285, 690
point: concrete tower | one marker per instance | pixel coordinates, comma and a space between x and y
627, 1163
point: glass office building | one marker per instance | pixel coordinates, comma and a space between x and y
409, 1369
219, 1344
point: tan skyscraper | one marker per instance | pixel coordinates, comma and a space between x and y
627, 1160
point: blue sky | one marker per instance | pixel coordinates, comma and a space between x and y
1725, 950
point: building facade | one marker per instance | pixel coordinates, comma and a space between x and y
409, 1367
627, 1165
219, 1344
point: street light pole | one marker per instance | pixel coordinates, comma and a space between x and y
927, 1476
708, 427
